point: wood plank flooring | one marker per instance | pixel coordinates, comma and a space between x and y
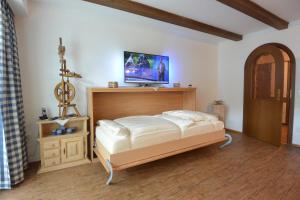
248, 169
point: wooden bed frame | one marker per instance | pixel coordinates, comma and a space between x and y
112, 103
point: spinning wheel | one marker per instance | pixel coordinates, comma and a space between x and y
64, 92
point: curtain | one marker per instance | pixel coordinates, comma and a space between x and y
13, 160
4, 169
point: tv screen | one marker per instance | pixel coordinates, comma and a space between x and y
146, 68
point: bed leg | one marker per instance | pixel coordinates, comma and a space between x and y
111, 172
228, 142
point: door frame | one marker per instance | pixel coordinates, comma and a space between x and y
292, 83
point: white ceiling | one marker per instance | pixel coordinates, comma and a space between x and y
211, 12
217, 14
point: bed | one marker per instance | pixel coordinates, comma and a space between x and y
147, 135
142, 131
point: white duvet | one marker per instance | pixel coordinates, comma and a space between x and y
190, 128
141, 131
114, 128
149, 130
112, 142
203, 127
183, 124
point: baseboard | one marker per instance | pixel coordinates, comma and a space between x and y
296, 145
232, 131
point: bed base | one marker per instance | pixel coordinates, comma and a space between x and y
124, 160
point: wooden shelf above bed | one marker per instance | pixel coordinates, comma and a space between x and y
141, 89
113, 103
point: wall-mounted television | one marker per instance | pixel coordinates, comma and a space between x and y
145, 68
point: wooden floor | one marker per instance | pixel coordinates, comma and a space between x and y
248, 169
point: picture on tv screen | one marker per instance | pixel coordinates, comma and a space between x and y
146, 68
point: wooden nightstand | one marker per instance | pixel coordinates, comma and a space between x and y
220, 111
58, 152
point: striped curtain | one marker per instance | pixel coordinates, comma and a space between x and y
13, 152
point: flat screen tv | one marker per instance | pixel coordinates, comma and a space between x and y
145, 68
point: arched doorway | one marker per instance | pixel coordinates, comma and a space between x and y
269, 85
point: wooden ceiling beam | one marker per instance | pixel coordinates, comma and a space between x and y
257, 12
155, 13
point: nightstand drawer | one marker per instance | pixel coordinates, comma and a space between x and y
51, 153
52, 162
53, 144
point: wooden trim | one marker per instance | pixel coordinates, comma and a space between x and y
232, 131
168, 154
257, 12
291, 88
72, 119
158, 14
101, 159
92, 128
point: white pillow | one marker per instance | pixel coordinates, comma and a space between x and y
114, 127
186, 114
192, 115
210, 117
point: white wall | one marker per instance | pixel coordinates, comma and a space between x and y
19, 7
95, 38
232, 58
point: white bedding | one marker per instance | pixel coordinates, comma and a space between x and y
195, 116
112, 143
190, 128
114, 127
149, 130
183, 124
203, 127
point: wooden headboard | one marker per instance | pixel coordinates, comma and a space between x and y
112, 103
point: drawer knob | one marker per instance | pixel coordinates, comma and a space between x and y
53, 154
53, 145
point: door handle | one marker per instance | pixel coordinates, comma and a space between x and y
278, 94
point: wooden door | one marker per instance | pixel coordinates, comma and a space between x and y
72, 149
263, 94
